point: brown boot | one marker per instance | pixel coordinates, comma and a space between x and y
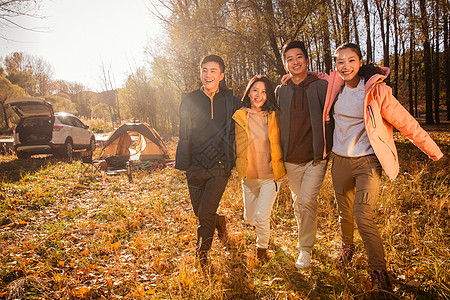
381, 283
202, 257
346, 254
261, 254
221, 226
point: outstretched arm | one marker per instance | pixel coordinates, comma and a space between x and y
393, 112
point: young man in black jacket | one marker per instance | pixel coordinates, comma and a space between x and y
206, 149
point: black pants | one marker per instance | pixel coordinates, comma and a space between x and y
206, 187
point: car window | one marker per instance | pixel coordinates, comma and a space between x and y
76, 122
65, 120
36, 122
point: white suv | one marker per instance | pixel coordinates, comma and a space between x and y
40, 131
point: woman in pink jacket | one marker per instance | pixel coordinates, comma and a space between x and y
359, 114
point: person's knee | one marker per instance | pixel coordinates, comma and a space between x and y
364, 217
261, 220
206, 215
308, 202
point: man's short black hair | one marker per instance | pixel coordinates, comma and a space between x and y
291, 45
214, 58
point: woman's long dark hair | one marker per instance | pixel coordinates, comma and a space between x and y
368, 69
270, 104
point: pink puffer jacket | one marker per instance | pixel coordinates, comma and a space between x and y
382, 111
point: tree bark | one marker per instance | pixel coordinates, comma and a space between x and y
346, 21
410, 77
427, 62
368, 38
416, 80
436, 66
272, 37
395, 48
411, 59
355, 21
447, 62
5, 116
337, 25
403, 59
384, 31
386, 52
326, 37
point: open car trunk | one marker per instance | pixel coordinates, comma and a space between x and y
36, 119
35, 130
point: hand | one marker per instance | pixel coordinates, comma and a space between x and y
285, 78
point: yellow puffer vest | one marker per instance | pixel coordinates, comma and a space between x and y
242, 138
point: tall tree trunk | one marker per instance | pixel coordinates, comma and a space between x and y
447, 61
5, 116
410, 77
416, 80
374, 52
326, 36
388, 17
316, 46
337, 25
381, 17
395, 49
411, 58
355, 21
383, 30
427, 62
404, 59
268, 6
346, 21
436, 66
368, 38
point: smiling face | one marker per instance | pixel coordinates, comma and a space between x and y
211, 75
348, 64
296, 63
257, 95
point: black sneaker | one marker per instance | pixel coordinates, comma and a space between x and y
381, 283
346, 254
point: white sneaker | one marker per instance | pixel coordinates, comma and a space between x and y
304, 260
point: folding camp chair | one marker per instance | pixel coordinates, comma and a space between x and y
89, 166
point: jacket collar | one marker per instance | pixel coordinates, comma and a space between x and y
377, 78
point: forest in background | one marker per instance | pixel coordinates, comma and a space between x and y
411, 37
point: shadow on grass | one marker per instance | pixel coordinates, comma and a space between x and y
248, 279
14, 170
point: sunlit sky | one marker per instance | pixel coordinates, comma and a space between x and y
81, 34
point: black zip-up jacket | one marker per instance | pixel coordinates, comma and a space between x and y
207, 130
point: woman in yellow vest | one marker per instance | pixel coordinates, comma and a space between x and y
259, 160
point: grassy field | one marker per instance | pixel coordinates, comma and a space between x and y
63, 236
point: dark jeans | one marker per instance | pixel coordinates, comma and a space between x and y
206, 187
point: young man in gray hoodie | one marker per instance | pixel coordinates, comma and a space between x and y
301, 103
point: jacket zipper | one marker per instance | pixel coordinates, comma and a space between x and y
212, 109
372, 117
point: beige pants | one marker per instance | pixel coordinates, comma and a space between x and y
305, 182
259, 196
356, 182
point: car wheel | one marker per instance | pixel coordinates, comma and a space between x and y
22, 155
92, 144
68, 151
